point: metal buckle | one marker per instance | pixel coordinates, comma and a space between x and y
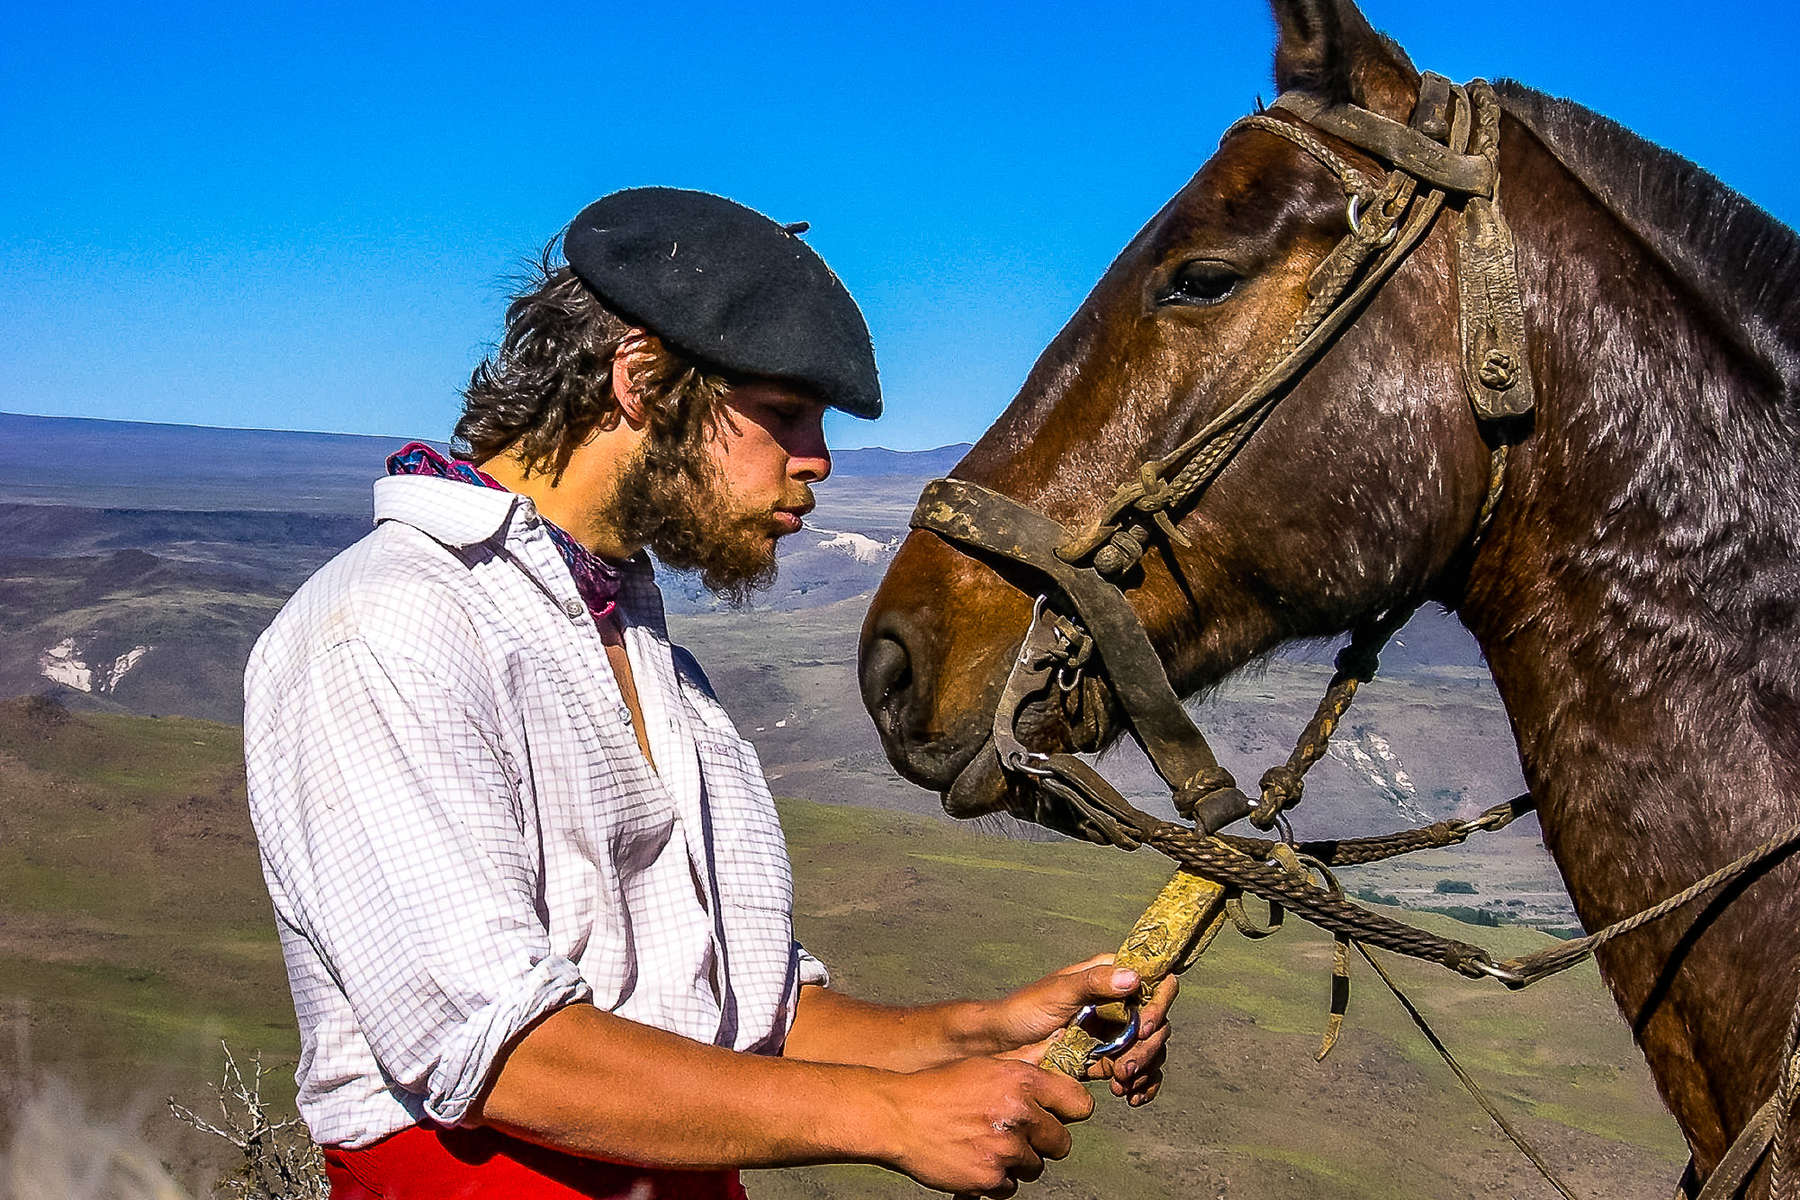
1355, 215
1124, 1039
1031, 673
1025, 763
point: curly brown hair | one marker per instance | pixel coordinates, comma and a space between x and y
548, 384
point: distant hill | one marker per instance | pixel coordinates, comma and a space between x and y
141, 465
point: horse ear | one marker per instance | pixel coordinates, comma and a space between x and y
1328, 48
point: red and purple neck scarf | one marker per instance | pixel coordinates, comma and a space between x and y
596, 579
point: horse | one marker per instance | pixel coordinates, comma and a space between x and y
1625, 552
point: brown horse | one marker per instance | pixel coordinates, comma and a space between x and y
1636, 593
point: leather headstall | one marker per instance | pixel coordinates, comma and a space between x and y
1448, 155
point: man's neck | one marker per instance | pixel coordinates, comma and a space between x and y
580, 499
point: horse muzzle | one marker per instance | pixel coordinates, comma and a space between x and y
935, 717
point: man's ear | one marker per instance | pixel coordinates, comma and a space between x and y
633, 354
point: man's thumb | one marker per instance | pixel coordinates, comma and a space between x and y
1033, 1054
1115, 981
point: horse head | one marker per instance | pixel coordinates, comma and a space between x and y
1361, 488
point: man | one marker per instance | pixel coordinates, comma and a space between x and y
531, 888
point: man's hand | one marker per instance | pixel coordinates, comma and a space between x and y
982, 1125
1027, 1018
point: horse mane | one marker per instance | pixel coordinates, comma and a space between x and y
1723, 246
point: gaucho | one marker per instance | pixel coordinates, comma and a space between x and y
532, 891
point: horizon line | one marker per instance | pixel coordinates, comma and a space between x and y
372, 436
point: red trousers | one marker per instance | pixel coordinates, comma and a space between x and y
430, 1163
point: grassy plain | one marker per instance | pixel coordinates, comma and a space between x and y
134, 934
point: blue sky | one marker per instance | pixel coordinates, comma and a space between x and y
305, 218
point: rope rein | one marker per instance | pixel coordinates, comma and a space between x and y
1279, 872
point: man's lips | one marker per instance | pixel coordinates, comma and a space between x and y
791, 520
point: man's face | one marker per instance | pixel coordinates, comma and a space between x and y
720, 507
769, 450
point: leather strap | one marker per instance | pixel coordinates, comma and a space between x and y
1405, 147
971, 515
1728, 1178
1491, 311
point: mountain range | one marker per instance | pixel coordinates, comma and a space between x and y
144, 560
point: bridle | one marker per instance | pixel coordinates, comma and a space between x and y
1445, 158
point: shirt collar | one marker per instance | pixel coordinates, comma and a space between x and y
448, 510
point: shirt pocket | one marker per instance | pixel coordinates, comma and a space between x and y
749, 849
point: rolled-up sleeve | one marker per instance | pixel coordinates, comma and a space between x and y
406, 842
810, 969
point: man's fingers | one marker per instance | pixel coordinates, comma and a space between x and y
1103, 981
1139, 1066
1062, 1097
1156, 1009
1049, 1137
1146, 1089
1144, 1052
1132, 1061
1026, 1166
1033, 1054
1020, 1158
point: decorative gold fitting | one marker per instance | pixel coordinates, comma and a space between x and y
1499, 370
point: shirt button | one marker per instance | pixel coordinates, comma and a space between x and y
575, 608
625, 713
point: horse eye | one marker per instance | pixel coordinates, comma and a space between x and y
1202, 281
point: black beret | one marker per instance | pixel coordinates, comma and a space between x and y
728, 287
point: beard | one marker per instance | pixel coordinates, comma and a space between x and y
673, 499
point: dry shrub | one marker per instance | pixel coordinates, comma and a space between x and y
280, 1161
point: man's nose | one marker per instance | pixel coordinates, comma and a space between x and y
811, 469
809, 459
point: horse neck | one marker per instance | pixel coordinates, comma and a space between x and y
1636, 601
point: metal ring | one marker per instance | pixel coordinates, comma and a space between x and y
1355, 216
1494, 970
1119, 1043
1022, 760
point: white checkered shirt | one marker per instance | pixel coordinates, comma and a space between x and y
460, 833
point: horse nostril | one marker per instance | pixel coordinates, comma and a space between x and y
886, 675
